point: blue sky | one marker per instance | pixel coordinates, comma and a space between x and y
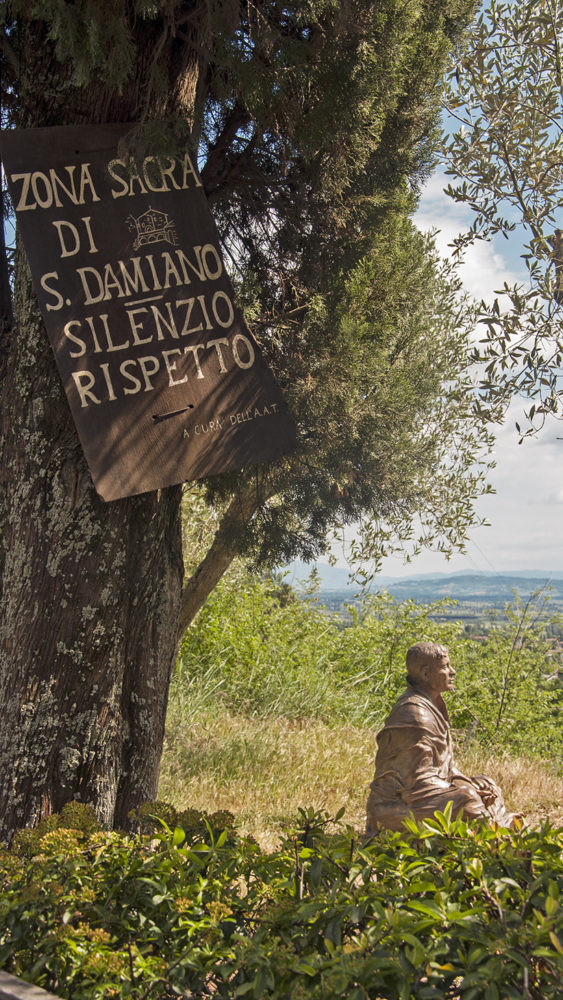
526, 512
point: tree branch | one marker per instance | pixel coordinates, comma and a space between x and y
9, 52
225, 547
519, 194
215, 165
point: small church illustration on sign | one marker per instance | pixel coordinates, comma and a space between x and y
152, 226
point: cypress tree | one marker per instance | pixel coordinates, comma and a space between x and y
314, 123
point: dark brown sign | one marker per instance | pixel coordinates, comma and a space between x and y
164, 380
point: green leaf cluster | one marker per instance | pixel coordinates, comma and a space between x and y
505, 95
444, 909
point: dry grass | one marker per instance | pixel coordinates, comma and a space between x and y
263, 770
529, 786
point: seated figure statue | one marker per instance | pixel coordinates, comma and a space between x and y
415, 772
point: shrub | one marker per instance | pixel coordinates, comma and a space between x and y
445, 909
509, 694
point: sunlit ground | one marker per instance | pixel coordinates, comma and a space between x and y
263, 770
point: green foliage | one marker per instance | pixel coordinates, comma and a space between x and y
94, 35
444, 909
333, 109
264, 656
314, 124
509, 692
251, 652
95, 915
153, 817
378, 380
506, 93
73, 816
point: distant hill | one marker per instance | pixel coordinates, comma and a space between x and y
465, 587
331, 577
471, 587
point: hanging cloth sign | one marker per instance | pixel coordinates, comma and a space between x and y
164, 380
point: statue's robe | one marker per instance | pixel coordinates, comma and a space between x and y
415, 772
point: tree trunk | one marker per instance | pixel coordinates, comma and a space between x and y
90, 590
89, 603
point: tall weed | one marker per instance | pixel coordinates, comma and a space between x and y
257, 650
254, 653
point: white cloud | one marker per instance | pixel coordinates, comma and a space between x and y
484, 269
525, 530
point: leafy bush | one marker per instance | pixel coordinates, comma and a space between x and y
509, 694
445, 909
257, 652
264, 656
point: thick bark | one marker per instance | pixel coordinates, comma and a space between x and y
90, 590
225, 547
89, 601
90, 593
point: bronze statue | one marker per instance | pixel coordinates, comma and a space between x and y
415, 772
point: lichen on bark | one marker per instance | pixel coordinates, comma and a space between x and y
90, 590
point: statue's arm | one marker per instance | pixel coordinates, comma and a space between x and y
484, 786
457, 775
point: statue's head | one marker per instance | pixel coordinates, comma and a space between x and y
429, 667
